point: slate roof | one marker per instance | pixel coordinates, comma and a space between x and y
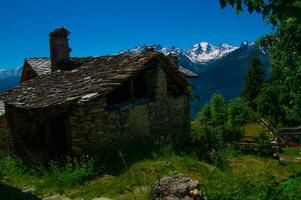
2, 109
93, 77
40, 65
187, 73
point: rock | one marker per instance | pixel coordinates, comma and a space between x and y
178, 187
56, 197
29, 189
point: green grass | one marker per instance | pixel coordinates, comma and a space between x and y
56, 178
247, 178
291, 151
252, 130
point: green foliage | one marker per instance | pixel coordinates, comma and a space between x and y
206, 138
57, 175
280, 99
11, 166
286, 190
218, 110
219, 124
242, 177
239, 113
253, 83
74, 171
268, 103
223, 158
275, 11
263, 144
291, 151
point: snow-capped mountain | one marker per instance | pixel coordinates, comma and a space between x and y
202, 52
10, 72
157, 47
9, 78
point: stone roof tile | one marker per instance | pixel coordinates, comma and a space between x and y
92, 75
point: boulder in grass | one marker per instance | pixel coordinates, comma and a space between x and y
178, 187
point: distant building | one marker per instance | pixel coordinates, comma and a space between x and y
68, 105
290, 136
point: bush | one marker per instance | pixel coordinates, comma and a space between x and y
263, 144
223, 158
219, 124
11, 167
74, 172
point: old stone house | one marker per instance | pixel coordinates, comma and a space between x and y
78, 105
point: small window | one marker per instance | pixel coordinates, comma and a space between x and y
120, 94
135, 88
140, 86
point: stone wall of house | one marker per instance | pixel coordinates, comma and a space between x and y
20, 125
30, 130
169, 116
4, 139
95, 125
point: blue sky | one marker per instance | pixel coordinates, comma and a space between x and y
101, 27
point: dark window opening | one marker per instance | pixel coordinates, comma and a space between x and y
140, 86
135, 88
120, 94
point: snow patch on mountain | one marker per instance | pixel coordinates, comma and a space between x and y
4, 73
200, 53
204, 52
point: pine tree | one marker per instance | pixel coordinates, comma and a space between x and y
253, 83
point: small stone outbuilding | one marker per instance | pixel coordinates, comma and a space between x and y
67, 105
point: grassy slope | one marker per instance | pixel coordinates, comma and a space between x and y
291, 151
249, 171
252, 130
246, 177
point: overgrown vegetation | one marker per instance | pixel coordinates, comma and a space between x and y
232, 176
279, 99
253, 83
220, 124
58, 175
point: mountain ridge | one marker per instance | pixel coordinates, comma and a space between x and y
202, 52
9, 78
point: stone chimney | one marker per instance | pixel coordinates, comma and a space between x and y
59, 48
149, 49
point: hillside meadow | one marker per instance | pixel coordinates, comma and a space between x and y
241, 177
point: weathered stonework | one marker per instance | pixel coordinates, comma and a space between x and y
95, 124
4, 139
92, 126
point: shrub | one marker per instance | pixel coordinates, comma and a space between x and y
74, 172
263, 144
57, 176
11, 167
219, 124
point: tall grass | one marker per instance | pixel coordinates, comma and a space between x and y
240, 177
55, 178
